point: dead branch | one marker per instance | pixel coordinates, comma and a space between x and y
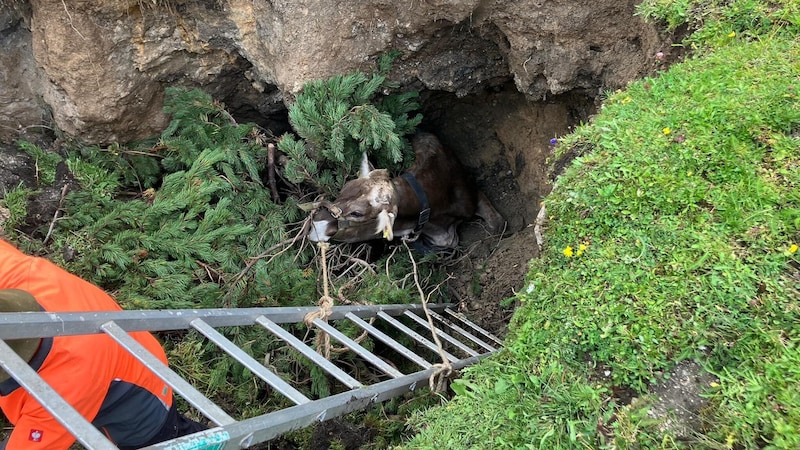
273, 187
64, 190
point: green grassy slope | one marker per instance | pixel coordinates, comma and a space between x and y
673, 236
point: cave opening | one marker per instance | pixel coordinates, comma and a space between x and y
504, 140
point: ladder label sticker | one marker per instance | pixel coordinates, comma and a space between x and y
209, 440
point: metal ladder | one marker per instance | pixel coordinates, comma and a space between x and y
459, 336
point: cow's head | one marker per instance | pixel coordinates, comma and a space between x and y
365, 209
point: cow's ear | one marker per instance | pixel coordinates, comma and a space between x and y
366, 167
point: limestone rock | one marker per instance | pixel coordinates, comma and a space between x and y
20, 106
101, 67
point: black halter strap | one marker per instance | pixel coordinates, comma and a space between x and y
425, 207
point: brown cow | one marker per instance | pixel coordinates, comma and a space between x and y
430, 199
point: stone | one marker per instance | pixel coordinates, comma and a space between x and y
100, 68
678, 400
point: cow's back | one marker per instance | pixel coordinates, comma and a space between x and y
452, 197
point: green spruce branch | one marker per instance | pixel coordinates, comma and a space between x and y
339, 119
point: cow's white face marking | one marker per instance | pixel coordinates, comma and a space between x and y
318, 231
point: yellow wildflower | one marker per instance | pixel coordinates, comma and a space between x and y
666, 131
568, 251
582, 248
732, 34
793, 248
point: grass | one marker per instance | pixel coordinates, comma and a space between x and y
674, 236
14, 204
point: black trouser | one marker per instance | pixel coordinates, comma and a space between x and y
176, 425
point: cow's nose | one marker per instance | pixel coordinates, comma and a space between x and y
319, 231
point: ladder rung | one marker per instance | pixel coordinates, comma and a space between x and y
442, 334
463, 332
66, 415
474, 326
249, 362
383, 337
308, 352
181, 386
416, 336
357, 348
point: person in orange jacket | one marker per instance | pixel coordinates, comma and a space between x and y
107, 385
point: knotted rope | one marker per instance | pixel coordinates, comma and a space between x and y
325, 307
325, 310
439, 379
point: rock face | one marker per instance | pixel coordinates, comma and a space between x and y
19, 105
100, 68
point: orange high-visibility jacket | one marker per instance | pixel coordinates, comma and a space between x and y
93, 373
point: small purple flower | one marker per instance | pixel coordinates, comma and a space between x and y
660, 55
553, 141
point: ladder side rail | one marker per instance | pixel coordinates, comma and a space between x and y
181, 386
308, 352
444, 336
383, 337
462, 331
51, 324
475, 327
249, 362
52, 401
358, 349
21, 325
416, 336
268, 426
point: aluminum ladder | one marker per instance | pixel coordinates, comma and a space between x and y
465, 343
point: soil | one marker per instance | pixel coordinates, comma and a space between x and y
489, 273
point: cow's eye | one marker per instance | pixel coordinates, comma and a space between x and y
356, 214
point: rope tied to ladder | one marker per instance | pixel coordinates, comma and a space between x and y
440, 378
325, 307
